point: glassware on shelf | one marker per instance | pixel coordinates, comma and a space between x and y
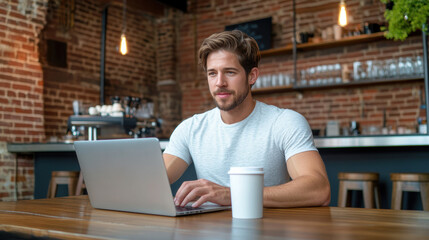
357, 68
409, 66
273, 80
392, 68
331, 74
378, 68
418, 65
402, 67
369, 73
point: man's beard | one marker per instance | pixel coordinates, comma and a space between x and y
237, 100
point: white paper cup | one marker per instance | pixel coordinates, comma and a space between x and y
247, 185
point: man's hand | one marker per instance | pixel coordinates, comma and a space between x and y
202, 191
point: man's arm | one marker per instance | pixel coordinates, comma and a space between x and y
175, 167
199, 191
309, 185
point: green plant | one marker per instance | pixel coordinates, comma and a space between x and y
405, 17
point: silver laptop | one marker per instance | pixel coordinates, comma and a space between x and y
129, 175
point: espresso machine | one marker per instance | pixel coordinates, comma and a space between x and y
147, 123
126, 117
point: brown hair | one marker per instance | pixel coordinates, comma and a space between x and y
244, 47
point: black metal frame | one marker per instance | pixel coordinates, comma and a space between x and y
103, 53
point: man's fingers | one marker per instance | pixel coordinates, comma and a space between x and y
184, 191
202, 191
192, 195
200, 201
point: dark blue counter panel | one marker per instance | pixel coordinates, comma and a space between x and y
384, 160
45, 163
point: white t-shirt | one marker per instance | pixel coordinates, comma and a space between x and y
266, 138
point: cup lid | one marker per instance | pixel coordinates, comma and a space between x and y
246, 170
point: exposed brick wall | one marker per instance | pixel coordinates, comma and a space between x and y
169, 97
135, 73
131, 75
25, 176
80, 79
21, 76
16, 175
21, 92
364, 104
7, 175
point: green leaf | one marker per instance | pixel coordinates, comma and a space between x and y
407, 16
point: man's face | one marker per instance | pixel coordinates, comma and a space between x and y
227, 80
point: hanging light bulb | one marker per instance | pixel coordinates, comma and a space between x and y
123, 45
123, 49
342, 18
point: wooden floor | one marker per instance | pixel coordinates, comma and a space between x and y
74, 218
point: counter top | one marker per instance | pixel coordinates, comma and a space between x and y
51, 147
39, 147
372, 141
326, 142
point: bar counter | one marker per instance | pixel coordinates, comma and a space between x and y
321, 142
382, 154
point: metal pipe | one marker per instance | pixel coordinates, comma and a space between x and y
90, 134
426, 75
294, 42
103, 53
94, 134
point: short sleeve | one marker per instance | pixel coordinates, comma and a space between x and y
178, 145
293, 134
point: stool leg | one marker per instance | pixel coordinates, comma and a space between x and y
377, 196
396, 196
424, 193
79, 185
53, 189
72, 186
368, 195
342, 195
49, 189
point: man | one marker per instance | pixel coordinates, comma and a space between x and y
244, 132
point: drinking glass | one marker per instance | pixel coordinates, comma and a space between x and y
392, 68
418, 65
409, 66
356, 70
402, 67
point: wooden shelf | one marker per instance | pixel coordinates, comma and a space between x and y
365, 38
273, 89
290, 88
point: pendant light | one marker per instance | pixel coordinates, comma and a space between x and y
123, 48
342, 18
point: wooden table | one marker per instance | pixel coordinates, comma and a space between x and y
74, 218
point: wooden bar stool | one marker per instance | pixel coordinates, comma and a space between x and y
365, 182
62, 177
409, 182
80, 185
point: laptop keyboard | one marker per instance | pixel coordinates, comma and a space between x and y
187, 208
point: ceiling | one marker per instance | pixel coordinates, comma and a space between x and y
179, 4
